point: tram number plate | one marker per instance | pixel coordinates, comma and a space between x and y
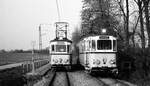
103, 37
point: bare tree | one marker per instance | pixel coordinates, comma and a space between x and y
132, 34
127, 22
125, 12
143, 7
142, 35
147, 15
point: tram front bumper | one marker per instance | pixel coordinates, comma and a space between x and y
105, 69
59, 65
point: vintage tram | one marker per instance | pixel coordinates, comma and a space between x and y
98, 53
60, 47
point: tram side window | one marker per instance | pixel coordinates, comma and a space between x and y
87, 45
83, 46
93, 45
52, 46
114, 45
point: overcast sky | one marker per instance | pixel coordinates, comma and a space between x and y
20, 19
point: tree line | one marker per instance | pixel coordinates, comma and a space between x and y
128, 20
43, 51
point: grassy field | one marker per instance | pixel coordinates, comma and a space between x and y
9, 58
15, 76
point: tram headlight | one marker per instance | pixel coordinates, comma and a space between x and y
104, 30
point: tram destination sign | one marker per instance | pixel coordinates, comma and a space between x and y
103, 37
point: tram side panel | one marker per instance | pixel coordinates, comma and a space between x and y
60, 59
81, 60
101, 60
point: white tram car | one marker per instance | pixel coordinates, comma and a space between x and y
60, 53
98, 53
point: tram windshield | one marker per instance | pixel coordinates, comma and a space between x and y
104, 44
60, 48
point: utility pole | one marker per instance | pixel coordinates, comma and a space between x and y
41, 27
40, 38
33, 66
33, 44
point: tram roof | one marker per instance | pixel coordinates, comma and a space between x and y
64, 39
97, 37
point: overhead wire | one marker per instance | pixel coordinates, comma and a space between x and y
58, 11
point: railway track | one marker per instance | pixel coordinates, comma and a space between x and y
108, 81
101, 83
56, 77
79, 78
60, 78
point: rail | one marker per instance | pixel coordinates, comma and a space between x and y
67, 77
52, 79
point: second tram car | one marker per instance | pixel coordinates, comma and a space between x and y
98, 53
60, 52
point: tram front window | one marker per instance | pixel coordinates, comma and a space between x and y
60, 48
104, 44
68, 48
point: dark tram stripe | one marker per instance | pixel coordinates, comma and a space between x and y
96, 52
60, 54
